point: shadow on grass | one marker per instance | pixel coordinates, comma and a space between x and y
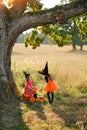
67, 112
38, 108
72, 110
11, 116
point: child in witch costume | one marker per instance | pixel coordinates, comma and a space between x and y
50, 86
30, 92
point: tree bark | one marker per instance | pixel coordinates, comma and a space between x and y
81, 47
74, 46
7, 84
58, 14
5, 69
11, 27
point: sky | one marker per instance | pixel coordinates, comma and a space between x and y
50, 3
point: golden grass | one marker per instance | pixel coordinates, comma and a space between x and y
68, 68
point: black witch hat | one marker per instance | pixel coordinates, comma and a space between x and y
26, 74
45, 70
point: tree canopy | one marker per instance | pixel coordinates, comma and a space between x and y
61, 35
22, 10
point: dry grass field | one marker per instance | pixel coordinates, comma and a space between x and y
68, 68
69, 71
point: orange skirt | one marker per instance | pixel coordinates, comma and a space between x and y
51, 86
26, 97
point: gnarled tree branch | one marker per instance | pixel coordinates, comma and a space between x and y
58, 14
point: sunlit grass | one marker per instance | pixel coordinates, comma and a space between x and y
69, 70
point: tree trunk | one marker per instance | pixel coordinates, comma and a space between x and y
8, 88
81, 47
7, 84
74, 46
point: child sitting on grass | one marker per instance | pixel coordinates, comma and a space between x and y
29, 89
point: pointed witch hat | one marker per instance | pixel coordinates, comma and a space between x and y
26, 74
45, 70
